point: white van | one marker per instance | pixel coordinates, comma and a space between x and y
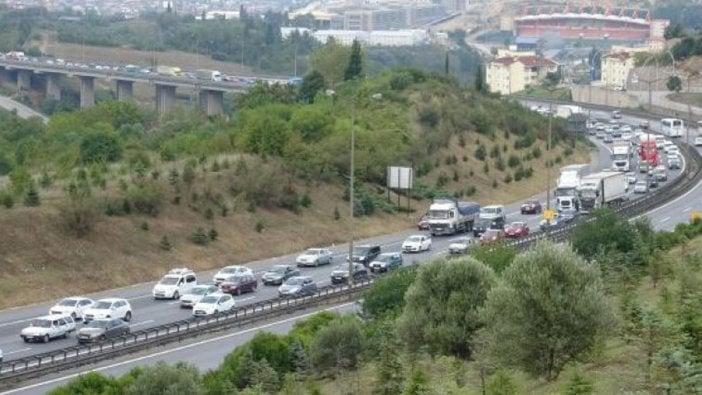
492, 212
175, 283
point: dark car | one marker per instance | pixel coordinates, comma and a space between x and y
484, 224
365, 253
238, 284
278, 274
297, 286
653, 183
492, 236
340, 274
531, 207
386, 262
423, 223
517, 229
103, 329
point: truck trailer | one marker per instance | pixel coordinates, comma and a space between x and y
602, 189
208, 75
566, 192
170, 71
448, 216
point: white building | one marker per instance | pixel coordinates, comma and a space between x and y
388, 38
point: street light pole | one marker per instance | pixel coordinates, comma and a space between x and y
548, 165
351, 192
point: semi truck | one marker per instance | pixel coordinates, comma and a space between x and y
170, 71
601, 190
208, 75
566, 192
448, 216
621, 155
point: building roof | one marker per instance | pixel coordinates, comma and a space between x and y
527, 61
618, 55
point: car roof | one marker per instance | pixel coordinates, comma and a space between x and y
112, 300
75, 297
51, 317
301, 277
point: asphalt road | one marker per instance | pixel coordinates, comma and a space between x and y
148, 312
22, 110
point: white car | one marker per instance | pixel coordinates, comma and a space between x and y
640, 187
416, 243
175, 283
48, 327
315, 257
0, 355
196, 293
631, 177
109, 308
229, 271
213, 304
74, 306
460, 245
698, 141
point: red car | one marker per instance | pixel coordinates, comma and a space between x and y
423, 223
531, 207
237, 285
492, 236
517, 229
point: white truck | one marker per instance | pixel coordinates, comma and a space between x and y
449, 216
566, 192
208, 75
170, 71
621, 155
43, 329
602, 189
566, 111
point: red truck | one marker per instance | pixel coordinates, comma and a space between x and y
648, 154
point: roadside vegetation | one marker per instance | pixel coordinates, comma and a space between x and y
616, 310
189, 190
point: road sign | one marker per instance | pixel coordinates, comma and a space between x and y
549, 214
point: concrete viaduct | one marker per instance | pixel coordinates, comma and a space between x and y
211, 93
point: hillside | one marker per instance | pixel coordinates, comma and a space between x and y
111, 196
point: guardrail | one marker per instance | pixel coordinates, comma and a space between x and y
21, 369
70, 357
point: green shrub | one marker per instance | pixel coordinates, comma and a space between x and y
259, 226
494, 183
144, 226
213, 234
305, 200
45, 180
495, 151
513, 161
536, 152
508, 178
199, 237
7, 199
165, 244
31, 198
480, 152
100, 147
145, 199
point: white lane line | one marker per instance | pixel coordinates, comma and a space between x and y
15, 322
664, 219
142, 323
185, 347
687, 209
16, 351
245, 299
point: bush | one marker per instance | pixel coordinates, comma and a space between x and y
536, 152
100, 147
500, 164
31, 198
305, 200
78, 216
212, 234
259, 226
338, 346
513, 161
494, 183
508, 178
480, 152
386, 295
165, 244
145, 199
199, 237
7, 199
144, 226
495, 151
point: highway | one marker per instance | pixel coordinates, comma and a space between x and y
148, 312
21, 110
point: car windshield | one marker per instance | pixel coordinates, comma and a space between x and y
233, 269
209, 299
415, 238
235, 279
278, 269
313, 251
294, 281
40, 323
489, 210
438, 214
101, 305
97, 324
516, 225
384, 258
342, 268
169, 281
68, 302
360, 250
198, 291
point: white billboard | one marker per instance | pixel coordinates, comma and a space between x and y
399, 177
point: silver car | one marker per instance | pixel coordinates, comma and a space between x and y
315, 257
641, 187
297, 286
459, 246
196, 293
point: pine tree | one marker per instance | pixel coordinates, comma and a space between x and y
418, 383
355, 66
389, 373
298, 358
31, 199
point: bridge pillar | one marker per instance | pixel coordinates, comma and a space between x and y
53, 90
165, 98
212, 102
125, 90
24, 80
87, 91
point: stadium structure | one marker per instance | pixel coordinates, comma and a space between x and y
590, 23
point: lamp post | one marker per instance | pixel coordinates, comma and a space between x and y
351, 191
548, 165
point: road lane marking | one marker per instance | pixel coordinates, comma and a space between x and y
181, 348
15, 322
142, 323
664, 219
687, 209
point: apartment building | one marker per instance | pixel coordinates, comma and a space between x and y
511, 74
616, 68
